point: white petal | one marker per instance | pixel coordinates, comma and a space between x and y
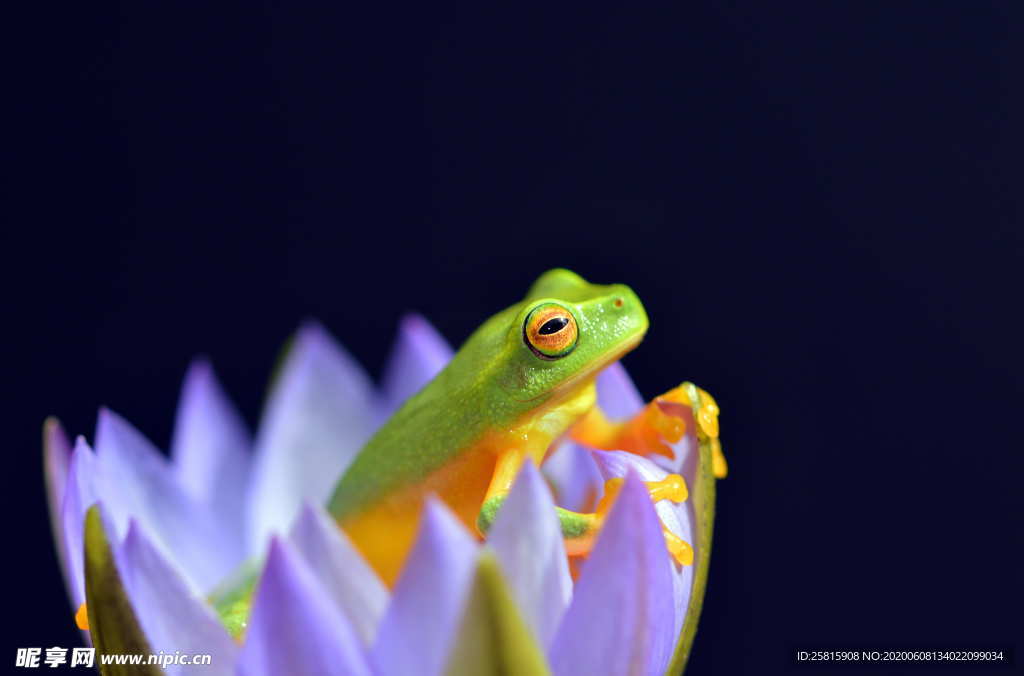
171, 614
80, 493
677, 517
574, 475
294, 628
419, 353
342, 572
527, 538
418, 628
318, 416
137, 481
620, 621
211, 453
616, 394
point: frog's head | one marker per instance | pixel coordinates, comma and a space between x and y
565, 331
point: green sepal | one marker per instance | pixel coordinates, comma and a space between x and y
492, 636
702, 495
112, 623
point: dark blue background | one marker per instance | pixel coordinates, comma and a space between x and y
821, 208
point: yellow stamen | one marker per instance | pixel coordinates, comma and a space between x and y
82, 618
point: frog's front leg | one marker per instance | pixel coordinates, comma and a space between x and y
581, 528
658, 424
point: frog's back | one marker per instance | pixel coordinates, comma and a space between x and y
497, 391
437, 442
426, 434
453, 415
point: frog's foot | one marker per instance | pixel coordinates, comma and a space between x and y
580, 529
672, 487
718, 464
679, 548
645, 433
705, 412
659, 424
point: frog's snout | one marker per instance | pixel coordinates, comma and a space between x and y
621, 302
625, 301
623, 308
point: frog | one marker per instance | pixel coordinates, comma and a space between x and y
521, 383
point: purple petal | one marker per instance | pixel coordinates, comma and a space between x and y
621, 617
341, 571
418, 628
173, 617
575, 477
80, 494
56, 458
419, 353
616, 394
318, 416
677, 517
138, 482
527, 538
295, 628
210, 449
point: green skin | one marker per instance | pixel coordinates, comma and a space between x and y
510, 384
493, 382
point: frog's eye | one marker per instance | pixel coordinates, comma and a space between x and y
550, 331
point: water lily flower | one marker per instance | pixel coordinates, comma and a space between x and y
147, 539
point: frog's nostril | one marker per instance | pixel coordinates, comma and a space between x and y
618, 302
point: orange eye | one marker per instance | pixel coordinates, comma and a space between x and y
550, 331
